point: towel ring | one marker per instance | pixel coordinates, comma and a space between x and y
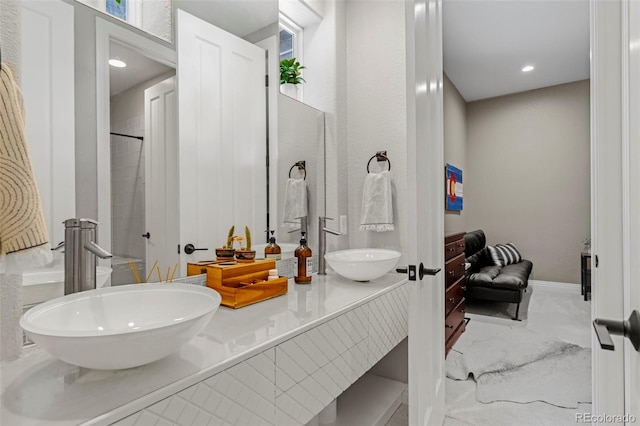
301, 166
380, 156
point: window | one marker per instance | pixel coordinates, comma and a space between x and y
286, 44
290, 39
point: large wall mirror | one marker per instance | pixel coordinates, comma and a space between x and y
307, 30
116, 163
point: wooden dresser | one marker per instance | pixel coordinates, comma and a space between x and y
455, 284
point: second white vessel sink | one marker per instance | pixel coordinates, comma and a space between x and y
121, 327
362, 264
42, 284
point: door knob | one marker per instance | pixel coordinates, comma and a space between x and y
628, 328
422, 271
190, 248
147, 235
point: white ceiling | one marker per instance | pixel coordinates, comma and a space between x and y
138, 70
239, 17
487, 42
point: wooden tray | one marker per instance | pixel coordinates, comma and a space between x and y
198, 268
246, 294
245, 283
219, 273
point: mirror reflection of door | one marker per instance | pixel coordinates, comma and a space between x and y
143, 164
222, 135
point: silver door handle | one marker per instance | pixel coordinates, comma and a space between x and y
628, 328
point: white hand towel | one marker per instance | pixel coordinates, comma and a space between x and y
23, 232
377, 203
295, 203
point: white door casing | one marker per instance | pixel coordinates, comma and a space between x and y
273, 60
632, 245
222, 131
162, 213
425, 153
47, 57
615, 225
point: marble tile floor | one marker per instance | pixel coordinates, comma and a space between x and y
555, 309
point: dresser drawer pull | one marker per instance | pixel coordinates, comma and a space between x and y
451, 272
448, 326
451, 249
452, 299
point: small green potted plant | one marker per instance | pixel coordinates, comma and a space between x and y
227, 252
245, 254
290, 76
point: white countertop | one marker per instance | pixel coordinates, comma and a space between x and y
39, 389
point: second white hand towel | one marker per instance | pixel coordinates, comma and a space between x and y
295, 203
377, 203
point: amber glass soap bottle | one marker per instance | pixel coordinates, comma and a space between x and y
303, 253
272, 250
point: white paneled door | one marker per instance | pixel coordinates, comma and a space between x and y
615, 171
162, 212
222, 134
425, 153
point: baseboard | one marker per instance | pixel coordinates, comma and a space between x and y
556, 286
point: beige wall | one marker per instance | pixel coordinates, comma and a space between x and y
527, 175
455, 146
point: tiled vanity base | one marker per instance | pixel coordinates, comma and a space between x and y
292, 382
277, 362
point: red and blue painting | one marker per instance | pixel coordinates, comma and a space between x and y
454, 188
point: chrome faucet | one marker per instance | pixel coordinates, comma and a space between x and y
80, 255
322, 243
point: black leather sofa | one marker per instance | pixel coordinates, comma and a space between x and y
487, 281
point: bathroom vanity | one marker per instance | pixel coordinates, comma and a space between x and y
281, 361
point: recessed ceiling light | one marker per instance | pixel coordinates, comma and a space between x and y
527, 68
117, 63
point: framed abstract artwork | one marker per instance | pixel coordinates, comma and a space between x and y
453, 180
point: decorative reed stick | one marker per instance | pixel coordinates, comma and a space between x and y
134, 270
173, 273
151, 271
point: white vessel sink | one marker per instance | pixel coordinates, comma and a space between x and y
40, 285
121, 327
362, 264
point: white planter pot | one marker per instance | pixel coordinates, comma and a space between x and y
290, 90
